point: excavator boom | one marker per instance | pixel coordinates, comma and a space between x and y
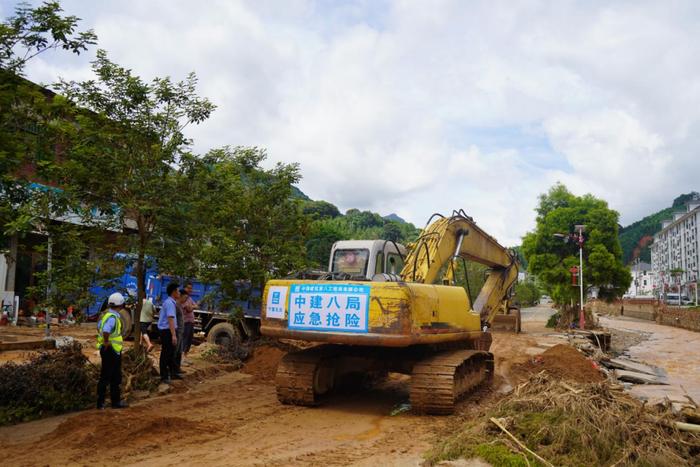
433, 257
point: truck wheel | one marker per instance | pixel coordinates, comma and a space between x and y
223, 334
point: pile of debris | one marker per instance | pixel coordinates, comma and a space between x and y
51, 382
560, 361
596, 345
556, 422
138, 372
233, 353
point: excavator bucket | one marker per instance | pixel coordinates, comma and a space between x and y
509, 322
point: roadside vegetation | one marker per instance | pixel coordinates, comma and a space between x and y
527, 293
570, 424
50, 383
552, 252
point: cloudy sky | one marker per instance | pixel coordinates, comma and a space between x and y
417, 107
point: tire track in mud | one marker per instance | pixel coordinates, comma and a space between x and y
232, 418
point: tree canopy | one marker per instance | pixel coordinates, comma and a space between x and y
238, 221
26, 113
354, 225
550, 259
123, 140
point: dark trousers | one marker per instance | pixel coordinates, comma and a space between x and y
187, 338
167, 355
110, 374
178, 349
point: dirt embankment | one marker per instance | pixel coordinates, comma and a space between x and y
562, 362
262, 364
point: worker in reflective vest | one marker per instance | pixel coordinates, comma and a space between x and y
110, 343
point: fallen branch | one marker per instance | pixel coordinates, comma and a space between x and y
687, 427
566, 386
517, 441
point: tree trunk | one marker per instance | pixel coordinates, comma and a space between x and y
140, 284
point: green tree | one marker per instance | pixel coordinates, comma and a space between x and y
321, 210
33, 31
242, 222
28, 140
391, 231
354, 225
320, 243
124, 141
27, 134
24, 107
527, 293
550, 258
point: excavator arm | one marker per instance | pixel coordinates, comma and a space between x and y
434, 257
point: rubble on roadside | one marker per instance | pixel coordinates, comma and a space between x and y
564, 422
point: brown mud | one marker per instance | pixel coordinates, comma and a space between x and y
562, 362
233, 418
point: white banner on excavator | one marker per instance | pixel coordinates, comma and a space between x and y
329, 307
276, 301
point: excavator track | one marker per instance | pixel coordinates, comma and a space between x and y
440, 381
303, 376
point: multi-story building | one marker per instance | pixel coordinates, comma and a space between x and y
675, 253
642, 280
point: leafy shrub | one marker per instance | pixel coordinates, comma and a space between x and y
50, 383
553, 320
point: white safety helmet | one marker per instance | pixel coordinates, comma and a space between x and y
116, 299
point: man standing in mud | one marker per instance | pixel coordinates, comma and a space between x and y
110, 343
167, 327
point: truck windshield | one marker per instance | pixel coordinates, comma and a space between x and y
351, 261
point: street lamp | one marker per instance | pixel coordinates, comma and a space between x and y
578, 238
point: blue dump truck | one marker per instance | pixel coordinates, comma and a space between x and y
212, 319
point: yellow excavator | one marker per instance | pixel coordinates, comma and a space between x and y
417, 322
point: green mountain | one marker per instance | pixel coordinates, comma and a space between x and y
395, 217
636, 238
330, 225
298, 194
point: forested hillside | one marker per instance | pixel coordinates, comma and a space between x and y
636, 238
329, 226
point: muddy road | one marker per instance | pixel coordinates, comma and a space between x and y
234, 418
673, 349
221, 417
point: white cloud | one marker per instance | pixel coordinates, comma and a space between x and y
408, 107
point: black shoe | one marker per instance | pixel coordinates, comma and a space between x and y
100, 406
178, 376
120, 405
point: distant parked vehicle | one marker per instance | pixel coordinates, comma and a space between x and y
672, 299
545, 300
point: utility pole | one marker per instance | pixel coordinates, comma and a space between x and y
47, 314
580, 229
578, 238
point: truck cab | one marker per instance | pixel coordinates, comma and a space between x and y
366, 258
